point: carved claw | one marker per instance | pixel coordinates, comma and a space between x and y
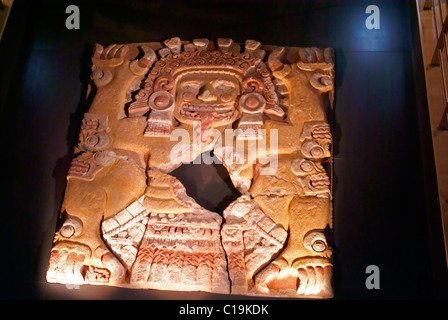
310, 280
65, 267
110, 52
315, 281
279, 69
105, 53
315, 58
104, 58
274, 110
121, 52
97, 51
66, 262
274, 62
117, 271
311, 55
148, 58
141, 66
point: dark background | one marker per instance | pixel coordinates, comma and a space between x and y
386, 210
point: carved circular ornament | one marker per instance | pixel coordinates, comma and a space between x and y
322, 82
97, 141
301, 166
315, 240
92, 141
67, 231
252, 102
312, 149
161, 100
72, 226
319, 245
105, 158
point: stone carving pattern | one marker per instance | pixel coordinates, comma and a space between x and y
161, 238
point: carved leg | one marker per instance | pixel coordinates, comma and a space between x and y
66, 262
303, 268
251, 238
79, 254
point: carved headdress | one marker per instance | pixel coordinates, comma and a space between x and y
200, 55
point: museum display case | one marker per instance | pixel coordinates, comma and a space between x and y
122, 122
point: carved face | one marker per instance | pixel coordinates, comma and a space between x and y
207, 97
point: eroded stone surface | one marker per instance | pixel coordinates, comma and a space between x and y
126, 222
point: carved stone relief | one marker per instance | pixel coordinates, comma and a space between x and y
125, 221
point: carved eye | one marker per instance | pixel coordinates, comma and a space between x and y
188, 96
226, 97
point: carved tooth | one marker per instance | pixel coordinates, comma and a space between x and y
275, 111
109, 225
315, 58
